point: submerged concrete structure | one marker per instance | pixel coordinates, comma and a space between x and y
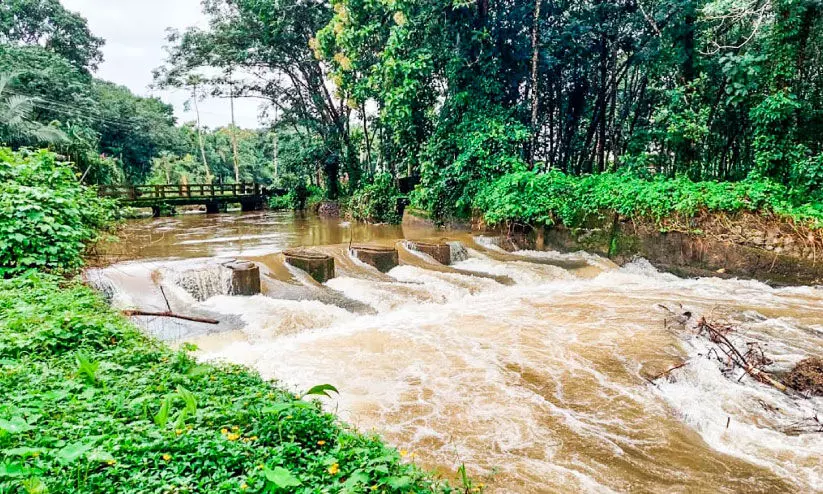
245, 278
441, 252
318, 265
384, 259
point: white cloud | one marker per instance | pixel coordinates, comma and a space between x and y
135, 32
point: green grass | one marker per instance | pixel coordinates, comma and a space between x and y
556, 198
91, 405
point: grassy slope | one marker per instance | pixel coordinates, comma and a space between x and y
125, 426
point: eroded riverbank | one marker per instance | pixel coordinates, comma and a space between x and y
538, 382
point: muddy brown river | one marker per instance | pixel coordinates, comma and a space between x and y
531, 368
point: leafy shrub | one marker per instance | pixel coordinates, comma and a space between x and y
376, 202
299, 196
91, 405
465, 153
47, 218
280, 203
554, 197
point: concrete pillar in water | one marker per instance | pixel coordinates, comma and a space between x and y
319, 266
384, 259
212, 208
245, 278
441, 252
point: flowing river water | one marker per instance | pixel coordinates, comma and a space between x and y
531, 368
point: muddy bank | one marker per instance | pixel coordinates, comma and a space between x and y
744, 245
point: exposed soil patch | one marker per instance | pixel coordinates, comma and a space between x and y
807, 377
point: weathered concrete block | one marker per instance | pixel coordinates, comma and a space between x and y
245, 278
441, 252
384, 259
318, 266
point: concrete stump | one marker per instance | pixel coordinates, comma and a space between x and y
441, 252
318, 266
212, 208
245, 278
384, 259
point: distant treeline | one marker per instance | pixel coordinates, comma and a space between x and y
463, 92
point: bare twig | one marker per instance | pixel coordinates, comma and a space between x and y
204, 320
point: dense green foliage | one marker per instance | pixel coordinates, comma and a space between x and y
557, 198
90, 405
463, 92
376, 202
47, 218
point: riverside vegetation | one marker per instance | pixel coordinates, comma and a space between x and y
92, 405
464, 96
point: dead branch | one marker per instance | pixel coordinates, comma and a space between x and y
751, 365
667, 372
204, 320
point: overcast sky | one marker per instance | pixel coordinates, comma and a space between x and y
135, 32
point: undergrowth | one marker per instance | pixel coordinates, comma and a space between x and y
556, 198
90, 405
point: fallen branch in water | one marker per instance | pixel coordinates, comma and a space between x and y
204, 320
667, 372
751, 362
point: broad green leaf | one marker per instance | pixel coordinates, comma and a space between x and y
321, 390
15, 425
73, 452
281, 477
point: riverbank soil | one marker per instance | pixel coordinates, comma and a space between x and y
765, 248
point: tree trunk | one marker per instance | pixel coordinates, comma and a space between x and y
534, 89
234, 139
200, 136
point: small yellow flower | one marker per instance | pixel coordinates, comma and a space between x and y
321, 443
260, 466
253, 438
167, 457
374, 487
244, 486
224, 431
111, 462
178, 431
404, 453
289, 417
235, 428
334, 469
232, 436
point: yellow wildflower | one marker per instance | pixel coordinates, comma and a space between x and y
321, 443
289, 417
244, 486
167, 457
178, 431
260, 466
111, 462
334, 469
235, 428
233, 436
404, 453
224, 431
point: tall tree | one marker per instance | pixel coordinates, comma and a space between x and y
47, 23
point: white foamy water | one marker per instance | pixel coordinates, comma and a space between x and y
541, 385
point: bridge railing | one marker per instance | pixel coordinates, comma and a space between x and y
181, 191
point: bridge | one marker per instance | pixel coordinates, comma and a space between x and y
215, 197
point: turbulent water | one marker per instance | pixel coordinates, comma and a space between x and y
531, 368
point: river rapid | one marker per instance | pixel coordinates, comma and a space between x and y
531, 368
